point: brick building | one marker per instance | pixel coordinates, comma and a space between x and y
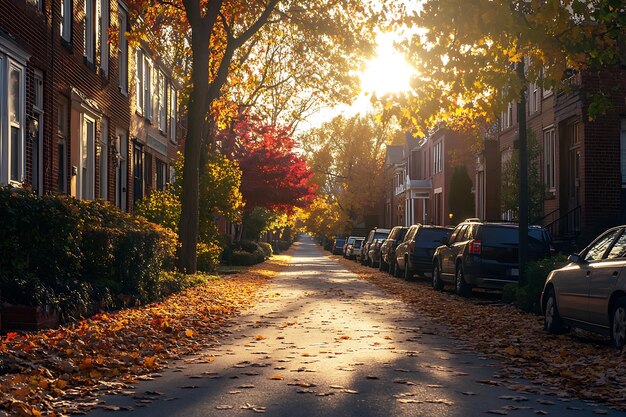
69, 118
422, 174
582, 162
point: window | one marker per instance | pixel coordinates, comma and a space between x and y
623, 153
123, 51
143, 82
139, 80
162, 103
172, 114
12, 127
104, 160
66, 20
549, 159
438, 157
37, 139
86, 170
147, 165
619, 249
104, 36
161, 175
62, 149
89, 30
147, 88
599, 247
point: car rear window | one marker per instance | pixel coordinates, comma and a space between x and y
495, 235
432, 235
357, 244
340, 241
380, 235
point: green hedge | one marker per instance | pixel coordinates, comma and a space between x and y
528, 296
243, 258
75, 254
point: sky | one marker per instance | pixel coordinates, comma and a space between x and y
387, 72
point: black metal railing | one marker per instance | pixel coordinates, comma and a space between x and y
566, 227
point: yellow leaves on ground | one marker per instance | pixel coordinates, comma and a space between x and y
116, 348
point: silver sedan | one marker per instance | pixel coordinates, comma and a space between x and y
590, 292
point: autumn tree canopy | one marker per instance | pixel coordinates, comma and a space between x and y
347, 158
465, 54
228, 42
274, 176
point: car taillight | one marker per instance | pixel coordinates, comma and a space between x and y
474, 247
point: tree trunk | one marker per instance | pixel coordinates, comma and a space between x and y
196, 115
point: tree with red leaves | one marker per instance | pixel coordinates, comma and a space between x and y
274, 176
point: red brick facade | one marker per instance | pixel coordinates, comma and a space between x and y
86, 113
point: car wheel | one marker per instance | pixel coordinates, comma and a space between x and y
462, 288
382, 266
437, 282
552, 321
408, 272
392, 268
618, 324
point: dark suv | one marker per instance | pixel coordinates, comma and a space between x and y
368, 246
484, 254
415, 254
388, 247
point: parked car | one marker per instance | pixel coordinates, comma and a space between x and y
414, 255
338, 246
388, 248
375, 235
354, 248
484, 254
349, 242
590, 292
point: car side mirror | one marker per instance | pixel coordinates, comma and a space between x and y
576, 258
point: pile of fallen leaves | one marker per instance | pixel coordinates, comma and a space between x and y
59, 369
578, 364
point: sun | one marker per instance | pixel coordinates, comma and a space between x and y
388, 72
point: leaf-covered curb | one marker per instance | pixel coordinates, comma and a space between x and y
561, 365
59, 369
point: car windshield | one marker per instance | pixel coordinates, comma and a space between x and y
510, 236
432, 235
380, 235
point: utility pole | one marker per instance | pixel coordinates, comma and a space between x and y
523, 174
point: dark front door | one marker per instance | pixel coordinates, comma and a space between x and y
137, 172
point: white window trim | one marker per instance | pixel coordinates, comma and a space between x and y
173, 113
148, 90
6, 64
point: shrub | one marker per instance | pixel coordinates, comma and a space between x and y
69, 254
160, 207
283, 245
243, 258
266, 248
208, 256
248, 246
528, 296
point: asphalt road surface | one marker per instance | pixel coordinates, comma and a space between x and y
322, 342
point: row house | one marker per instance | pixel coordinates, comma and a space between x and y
582, 163
420, 173
80, 115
